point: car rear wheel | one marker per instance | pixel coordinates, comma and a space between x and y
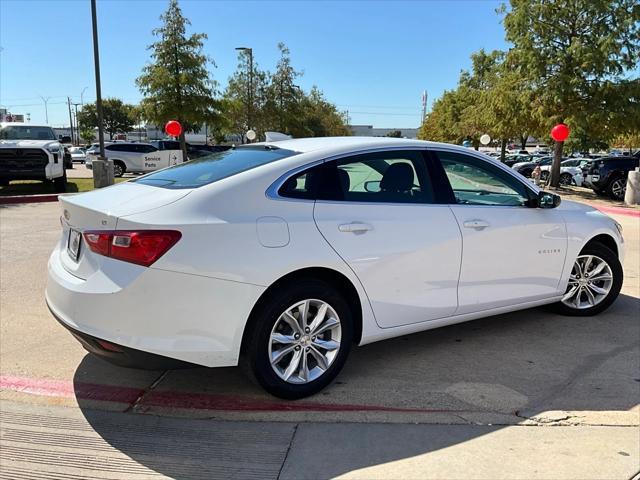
594, 282
617, 188
300, 339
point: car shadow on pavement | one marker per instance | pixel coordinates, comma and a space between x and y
482, 374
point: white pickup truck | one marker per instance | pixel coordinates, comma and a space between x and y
31, 152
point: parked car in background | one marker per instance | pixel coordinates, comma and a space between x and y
608, 175
526, 168
512, 159
570, 171
135, 157
193, 151
31, 152
78, 154
282, 256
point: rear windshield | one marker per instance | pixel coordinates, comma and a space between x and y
214, 167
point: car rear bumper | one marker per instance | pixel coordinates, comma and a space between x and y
194, 319
121, 355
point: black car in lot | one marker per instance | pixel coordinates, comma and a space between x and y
608, 175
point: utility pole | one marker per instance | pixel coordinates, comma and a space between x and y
82, 96
46, 110
70, 119
77, 127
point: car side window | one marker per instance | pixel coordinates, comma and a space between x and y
383, 177
476, 182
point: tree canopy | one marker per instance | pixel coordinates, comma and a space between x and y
117, 116
176, 84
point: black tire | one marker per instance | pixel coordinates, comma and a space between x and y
566, 179
119, 168
598, 250
599, 192
256, 353
617, 188
544, 175
60, 183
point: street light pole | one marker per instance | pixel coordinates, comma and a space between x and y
102, 168
82, 96
96, 59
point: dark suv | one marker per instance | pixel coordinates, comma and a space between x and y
608, 175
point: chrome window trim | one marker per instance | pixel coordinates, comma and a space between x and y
272, 192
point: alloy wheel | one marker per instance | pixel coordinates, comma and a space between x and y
618, 188
305, 341
590, 282
117, 170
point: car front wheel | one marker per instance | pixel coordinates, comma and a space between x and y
300, 339
594, 282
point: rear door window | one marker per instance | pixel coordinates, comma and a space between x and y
214, 167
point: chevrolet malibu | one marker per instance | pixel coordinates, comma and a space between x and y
282, 256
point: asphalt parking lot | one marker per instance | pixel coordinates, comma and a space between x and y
475, 400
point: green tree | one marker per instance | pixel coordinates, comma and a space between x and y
176, 85
245, 98
283, 100
88, 134
320, 118
575, 54
117, 116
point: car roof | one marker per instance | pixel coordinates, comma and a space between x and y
314, 144
23, 124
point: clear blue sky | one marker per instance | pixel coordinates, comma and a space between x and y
373, 58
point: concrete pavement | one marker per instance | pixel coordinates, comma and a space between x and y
472, 388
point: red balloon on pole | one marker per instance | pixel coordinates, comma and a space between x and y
173, 128
560, 132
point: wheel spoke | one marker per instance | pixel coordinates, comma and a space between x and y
282, 339
280, 354
318, 319
326, 344
598, 290
303, 310
292, 322
293, 365
576, 300
587, 263
570, 293
590, 297
604, 276
599, 267
304, 368
320, 358
329, 324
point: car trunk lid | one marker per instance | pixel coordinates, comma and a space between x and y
100, 210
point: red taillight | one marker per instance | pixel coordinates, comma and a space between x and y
142, 247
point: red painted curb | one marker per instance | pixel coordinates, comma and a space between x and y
13, 199
616, 210
184, 400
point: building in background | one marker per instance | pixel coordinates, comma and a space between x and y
370, 131
6, 116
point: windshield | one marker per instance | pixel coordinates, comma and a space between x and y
213, 167
26, 132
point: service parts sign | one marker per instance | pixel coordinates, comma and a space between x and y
161, 159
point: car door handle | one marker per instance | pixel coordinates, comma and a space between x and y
355, 227
477, 224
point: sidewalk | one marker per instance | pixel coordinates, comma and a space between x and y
59, 442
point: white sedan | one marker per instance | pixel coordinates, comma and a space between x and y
284, 255
78, 154
570, 171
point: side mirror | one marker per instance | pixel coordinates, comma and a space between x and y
548, 200
65, 139
372, 186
